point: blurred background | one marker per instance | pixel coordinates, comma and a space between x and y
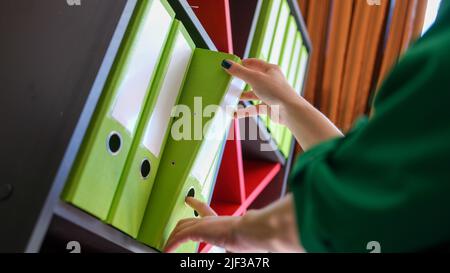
355, 45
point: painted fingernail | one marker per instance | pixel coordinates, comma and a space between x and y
226, 64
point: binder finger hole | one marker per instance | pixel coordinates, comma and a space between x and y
145, 168
114, 143
191, 193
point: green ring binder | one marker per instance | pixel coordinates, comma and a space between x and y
96, 174
134, 190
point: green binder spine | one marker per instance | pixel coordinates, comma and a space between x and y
293, 42
188, 157
287, 135
200, 183
280, 34
142, 164
99, 164
263, 37
276, 57
286, 142
301, 74
265, 29
295, 59
299, 82
288, 46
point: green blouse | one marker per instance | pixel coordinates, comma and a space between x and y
388, 180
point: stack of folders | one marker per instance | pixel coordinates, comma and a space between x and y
277, 40
158, 132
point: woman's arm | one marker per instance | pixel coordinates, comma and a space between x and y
272, 229
309, 126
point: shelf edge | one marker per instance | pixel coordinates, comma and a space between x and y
99, 228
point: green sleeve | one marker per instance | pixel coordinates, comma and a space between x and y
388, 180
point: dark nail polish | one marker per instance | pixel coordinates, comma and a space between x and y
226, 64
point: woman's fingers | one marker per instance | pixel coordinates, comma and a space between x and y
184, 224
218, 231
246, 74
260, 109
192, 233
203, 209
256, 64
187, 228
249, 95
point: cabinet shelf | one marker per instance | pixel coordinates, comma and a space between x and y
72, 224
228, 208
54, 134
254, 172
258, 174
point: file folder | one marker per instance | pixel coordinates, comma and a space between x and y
263, 36
189, 154
301, 74
265, 29
277, 131
299, 87
280, 132
286, 142
200, 184
275, 57
93, 180
288, 46
287, 138
142, 164
295, 59
211, 178
280, 31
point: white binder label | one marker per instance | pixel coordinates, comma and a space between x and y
141, 65
217, 133
208, 185
159, 121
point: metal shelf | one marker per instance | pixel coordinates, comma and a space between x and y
90, 231
261, 146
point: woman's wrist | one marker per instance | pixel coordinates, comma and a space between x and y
293, 107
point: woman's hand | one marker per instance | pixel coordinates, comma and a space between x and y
267, 80
218, 231
269, 86
269, 230
281, 103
